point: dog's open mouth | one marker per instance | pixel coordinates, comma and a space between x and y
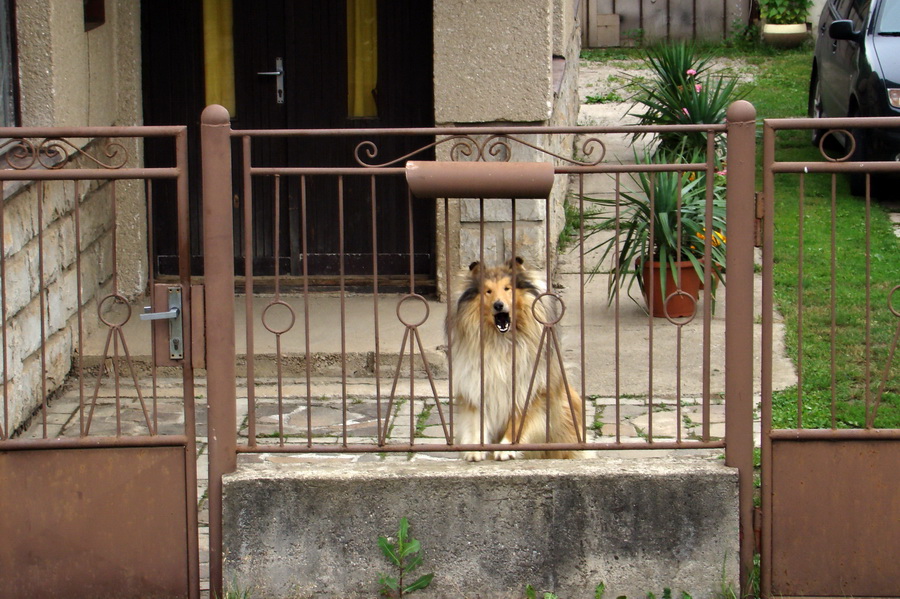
501, 321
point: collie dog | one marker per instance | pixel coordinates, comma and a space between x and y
498, 310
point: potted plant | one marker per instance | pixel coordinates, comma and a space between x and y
784, 21
659, 229
684, 89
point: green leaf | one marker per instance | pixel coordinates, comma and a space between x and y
412, 547
419, 584
389, 582
388, 551
404, 530
599, 591
529, 592
412, 564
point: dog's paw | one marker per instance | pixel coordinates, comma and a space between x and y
474, 456
502, 456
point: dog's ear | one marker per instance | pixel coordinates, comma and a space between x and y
517, 264
474, 269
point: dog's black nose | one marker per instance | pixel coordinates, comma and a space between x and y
498, 306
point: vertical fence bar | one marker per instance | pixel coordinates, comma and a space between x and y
448, 290
218, 262
766, 359
343, 293
4, 429
248, 289
741, 213
187, 371
306, 343
43, 302
375, 322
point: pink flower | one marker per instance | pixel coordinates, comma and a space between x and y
685, 111
691, 72
698, 87
722, 172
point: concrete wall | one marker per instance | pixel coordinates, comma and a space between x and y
69, 77
506, 63
638, 525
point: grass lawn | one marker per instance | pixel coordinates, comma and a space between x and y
854, 359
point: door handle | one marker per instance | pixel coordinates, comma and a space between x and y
278, 73
174, 316
148, 315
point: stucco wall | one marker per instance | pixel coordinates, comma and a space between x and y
494, 64
492, 61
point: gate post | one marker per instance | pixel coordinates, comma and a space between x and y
740, 216
218, 265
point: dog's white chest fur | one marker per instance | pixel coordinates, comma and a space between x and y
496, 387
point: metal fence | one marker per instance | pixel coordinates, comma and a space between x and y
294, 320
829, 436
615, 352
62, 253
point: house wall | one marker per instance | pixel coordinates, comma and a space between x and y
70, 77
498, 62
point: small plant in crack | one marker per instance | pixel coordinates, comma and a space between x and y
405, 557
422, 420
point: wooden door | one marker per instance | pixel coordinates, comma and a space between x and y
310, 38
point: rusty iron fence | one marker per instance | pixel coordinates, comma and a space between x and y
290, 410
99, 493
830, 484
365, 367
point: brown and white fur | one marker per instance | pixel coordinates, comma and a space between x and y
484, 319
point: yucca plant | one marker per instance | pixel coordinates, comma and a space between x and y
682, 91
661, 204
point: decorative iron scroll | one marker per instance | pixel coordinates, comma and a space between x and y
492, 148
56, 152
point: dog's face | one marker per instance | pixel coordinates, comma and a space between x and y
497, 298
497, 287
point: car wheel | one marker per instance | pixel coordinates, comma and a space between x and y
814, 109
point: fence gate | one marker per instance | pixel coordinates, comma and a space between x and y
99, 498
830, 478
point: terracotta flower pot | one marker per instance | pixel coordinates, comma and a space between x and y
680, 305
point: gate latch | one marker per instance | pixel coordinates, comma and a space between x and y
173, 315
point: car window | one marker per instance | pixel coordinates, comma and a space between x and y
859, 10
889, 19
842, 8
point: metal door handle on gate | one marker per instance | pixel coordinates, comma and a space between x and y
148, 315
173, 315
